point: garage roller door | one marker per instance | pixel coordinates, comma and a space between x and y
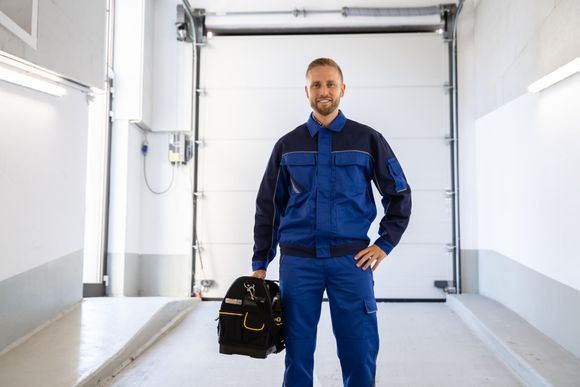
253, 93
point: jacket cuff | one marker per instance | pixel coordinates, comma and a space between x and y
384, 245
258, 265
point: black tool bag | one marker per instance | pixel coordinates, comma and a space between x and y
250, 318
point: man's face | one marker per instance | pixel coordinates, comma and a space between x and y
324, 89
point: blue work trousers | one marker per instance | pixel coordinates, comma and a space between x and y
353, 312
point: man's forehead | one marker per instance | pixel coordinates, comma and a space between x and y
323, 73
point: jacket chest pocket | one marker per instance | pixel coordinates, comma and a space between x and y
352, 171
301, 169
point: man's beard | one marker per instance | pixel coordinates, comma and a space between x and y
325, 109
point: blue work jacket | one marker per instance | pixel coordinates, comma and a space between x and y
315, 198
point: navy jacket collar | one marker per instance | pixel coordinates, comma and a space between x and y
336, 125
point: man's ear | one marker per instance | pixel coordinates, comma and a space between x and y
306, 91
343, 88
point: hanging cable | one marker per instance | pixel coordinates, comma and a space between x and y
145, 151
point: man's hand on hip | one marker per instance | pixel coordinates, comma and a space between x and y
259, 274
369, 255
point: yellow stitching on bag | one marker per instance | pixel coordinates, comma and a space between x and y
232, 314
252, 329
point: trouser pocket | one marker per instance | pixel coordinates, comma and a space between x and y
370, 305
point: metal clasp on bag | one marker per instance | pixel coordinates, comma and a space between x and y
251, 289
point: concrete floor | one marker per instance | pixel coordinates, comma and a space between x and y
90, 341
422, 344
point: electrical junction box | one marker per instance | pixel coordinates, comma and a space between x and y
180, 148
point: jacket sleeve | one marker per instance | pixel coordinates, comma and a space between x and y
270, 203
396, 195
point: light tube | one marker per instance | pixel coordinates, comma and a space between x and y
31, 82
556, 76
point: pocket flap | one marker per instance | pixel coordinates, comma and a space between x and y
397, 174
351, 158
370, 305
395, 167
299, 159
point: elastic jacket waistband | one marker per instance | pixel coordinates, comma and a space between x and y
335, 251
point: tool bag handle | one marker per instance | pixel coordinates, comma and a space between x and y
268, 318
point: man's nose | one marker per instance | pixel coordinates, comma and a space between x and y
323, 93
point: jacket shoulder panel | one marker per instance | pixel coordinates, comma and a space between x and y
358, 137
298, 139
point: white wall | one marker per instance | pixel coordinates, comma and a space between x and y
97, 169
501, 52
42, 201
518, 184
150, 235
144, 222
71, 39
42, 175
167, 220
43, 164
527, 167
164, 222
125, 200
518, 42
466, 122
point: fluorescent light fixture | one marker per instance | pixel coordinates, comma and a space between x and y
31, 82
555, 76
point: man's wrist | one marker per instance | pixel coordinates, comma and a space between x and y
258, 265
384, 245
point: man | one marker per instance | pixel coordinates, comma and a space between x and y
316, 201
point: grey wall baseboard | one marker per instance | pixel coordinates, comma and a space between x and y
165, 275
469, 271
30, 299
94, 290
550, 306
131, 275
150, 275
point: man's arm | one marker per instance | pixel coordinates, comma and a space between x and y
270, 203
396, 195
